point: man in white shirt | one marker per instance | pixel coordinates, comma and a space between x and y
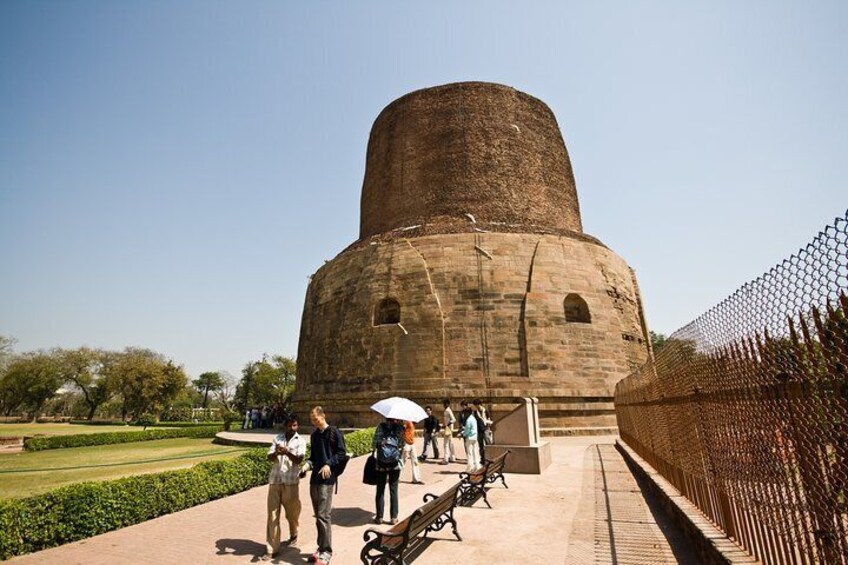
450, 420
286, 452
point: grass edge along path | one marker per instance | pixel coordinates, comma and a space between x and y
83, 510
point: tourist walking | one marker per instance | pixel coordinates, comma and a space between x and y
409, 452
246, 424
431, 430
387, 444
449, 421
464, 413
472, 447
483, 423
327, 452
286, 453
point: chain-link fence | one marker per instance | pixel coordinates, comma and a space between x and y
745, 409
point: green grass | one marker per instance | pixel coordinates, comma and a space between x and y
28, 473
29, 430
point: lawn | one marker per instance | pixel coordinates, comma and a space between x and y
29, 430
28, 473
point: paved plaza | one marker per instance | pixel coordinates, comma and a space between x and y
587, 508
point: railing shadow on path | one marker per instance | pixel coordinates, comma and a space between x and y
631, 527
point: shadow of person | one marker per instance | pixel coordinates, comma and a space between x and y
228, 546
349, 517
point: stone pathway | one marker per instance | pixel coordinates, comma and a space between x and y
585, 509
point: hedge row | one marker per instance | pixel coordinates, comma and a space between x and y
80, 440
359, 442
160, 424
83, 510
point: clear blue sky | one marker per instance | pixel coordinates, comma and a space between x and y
172, 172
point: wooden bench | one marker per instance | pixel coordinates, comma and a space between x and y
390, 546
474, 484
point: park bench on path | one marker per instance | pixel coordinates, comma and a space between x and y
390, 547
473, 485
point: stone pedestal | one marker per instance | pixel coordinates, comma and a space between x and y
519, 432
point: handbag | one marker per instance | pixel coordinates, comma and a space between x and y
369, 472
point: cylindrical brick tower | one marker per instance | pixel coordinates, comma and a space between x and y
471, 276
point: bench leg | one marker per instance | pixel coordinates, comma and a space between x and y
503, 480
453, 526
485, 497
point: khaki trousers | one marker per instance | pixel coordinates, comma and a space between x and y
287, 498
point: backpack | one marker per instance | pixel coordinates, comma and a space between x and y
343, 458
388, 454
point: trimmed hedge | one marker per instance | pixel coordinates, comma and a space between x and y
81, 440
83, 510
359, 442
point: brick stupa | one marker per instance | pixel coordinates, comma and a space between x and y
472, 276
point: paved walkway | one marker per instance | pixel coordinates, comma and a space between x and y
585, 509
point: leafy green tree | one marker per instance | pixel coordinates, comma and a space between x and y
84, 368
32, 379
206, 382
267, 381
145, 380
658, 341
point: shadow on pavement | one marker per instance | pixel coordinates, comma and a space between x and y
349, 517
228, 546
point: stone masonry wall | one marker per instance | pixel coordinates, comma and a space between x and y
475, 148
482, 314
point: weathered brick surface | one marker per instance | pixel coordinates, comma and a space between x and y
481, 297
471, 147
475, 325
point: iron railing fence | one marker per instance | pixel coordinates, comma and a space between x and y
745, 409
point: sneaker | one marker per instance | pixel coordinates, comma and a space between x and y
393, 521
323, 559
314, 557
378, 520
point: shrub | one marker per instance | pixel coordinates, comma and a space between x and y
359, 442
83, 510
146, 419
86, 509
81, 440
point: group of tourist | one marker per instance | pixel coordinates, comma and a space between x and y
263, 417
393, 449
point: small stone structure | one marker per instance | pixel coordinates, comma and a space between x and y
471, 276
520, 433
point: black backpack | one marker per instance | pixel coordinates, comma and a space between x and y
344, 457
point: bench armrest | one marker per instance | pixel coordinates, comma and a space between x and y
372, 533
429, 496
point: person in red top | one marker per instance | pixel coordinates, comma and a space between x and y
409, 452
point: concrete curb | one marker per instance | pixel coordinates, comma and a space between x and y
712, 544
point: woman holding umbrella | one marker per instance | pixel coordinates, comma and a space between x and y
388, 445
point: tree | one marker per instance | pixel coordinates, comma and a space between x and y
225, 395
267, 381
84, 368
658, 341
206, 382
145, 380
31, 380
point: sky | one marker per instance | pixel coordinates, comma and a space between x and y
172, 172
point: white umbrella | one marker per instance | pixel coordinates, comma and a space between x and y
400, 408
